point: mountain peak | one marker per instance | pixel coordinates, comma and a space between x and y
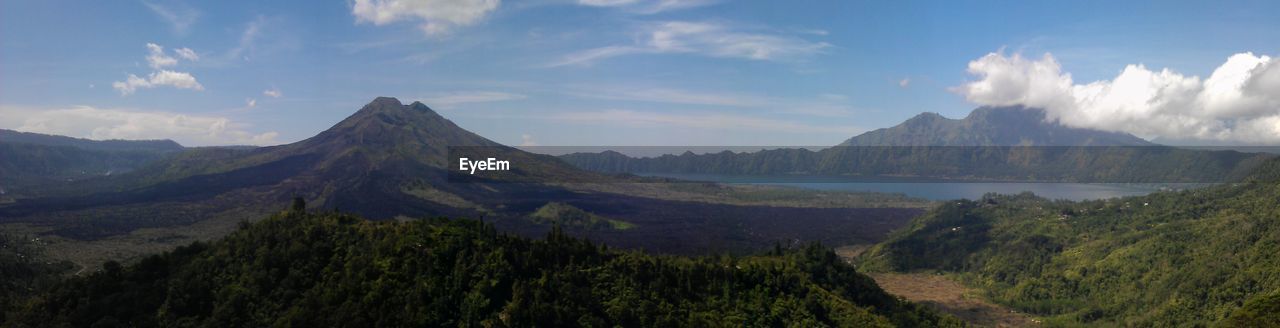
388, 126
991, 126
386, 101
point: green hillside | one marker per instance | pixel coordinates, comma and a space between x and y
24, 166
1189, 258
327, 270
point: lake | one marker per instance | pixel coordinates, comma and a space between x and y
936, 190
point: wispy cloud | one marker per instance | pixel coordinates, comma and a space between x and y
705, 39
248, 36
273, 93
648, 6
452, 99
437, 17
187, 53
179, 17
824, 105
99, 123
668, 95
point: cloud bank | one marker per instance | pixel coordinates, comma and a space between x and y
97, 123
1239, 103
439, 17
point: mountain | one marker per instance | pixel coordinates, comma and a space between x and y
1190, 258
32, 160
11, 136
392, 161
376, 162
991, 126
1003, 144
337, 270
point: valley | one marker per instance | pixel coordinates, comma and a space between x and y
388, 161
639, 163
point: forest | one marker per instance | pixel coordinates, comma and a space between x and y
1196, 257
323, 269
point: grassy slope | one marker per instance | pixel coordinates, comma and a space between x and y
1166, 259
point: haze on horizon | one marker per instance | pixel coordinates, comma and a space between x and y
636, 72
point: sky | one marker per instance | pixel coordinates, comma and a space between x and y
636, 72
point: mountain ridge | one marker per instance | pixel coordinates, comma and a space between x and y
160, 145
990, 144
990, 126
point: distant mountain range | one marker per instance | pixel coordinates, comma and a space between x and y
991, 126
1004, 143
164, 145
33, 159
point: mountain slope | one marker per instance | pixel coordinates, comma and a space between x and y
335, 270
11, 136
1188, 258
32, 160
990, 126
366, 163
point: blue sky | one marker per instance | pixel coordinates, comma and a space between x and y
631, 72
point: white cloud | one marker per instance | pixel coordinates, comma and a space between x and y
157, 60
156, 57
180, 80
706, 39
187, 53
97, 123
1238, 103
904, 82
439, 17
250, 103
180, 19
273, 93
648, 6
447, 100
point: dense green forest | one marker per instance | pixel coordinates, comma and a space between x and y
1188, 258
24, 270
330, 269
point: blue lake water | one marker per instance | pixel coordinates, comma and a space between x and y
935, 190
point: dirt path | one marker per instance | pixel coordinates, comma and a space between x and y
944, 294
